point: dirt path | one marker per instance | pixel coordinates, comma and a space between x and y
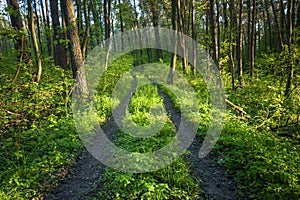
86, 169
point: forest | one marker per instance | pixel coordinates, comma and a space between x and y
52, 105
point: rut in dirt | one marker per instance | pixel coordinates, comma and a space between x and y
86, 170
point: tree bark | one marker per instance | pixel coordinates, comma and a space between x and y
174, 56
34, 41
214, 45
86, 13
16, 22
194, 37
290, 75
252, 44
96, 21
240, 45
155, 25
277, 25
269, 25
59, 48
231, 33
48, 31
76, 54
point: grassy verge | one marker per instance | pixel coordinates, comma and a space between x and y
38, 139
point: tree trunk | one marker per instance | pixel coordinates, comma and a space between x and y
79, 16
107, 25
282, 19
231, 33
76, 54
121, 24
59, 48
87, 27
174, 56
214, 45
252, 44
240, 45
37, 23
218, 29
181, 27
49, 34
16, 22
194, 37
290, 11
277, 25
34, 41
96, 21
269, 25
155, 25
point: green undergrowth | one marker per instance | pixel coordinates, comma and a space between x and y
260, 157
266, 164
38, 139
171, 182
33, 161
261, 151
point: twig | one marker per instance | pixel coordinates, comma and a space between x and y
9, 112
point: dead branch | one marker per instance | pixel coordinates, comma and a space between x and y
9, 112
237, 108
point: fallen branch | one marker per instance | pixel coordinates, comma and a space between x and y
239, 109
9, 112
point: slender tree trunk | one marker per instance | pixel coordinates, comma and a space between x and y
214, 44
269, 25
34, 41
207, 25
107, 25
76, 54
137, 26
181, 28
59, 48
157, 34
264, 26
290, 13
87, 27
49, 34
174, 56
194, 37
240, 45
282, 19
96, 21
232, 25
121, 24
249, 30
37, 23
79, 16
277, 25
16, 22
253, 38
64, 35
218, 28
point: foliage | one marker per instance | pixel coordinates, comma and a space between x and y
38, 138
172, 182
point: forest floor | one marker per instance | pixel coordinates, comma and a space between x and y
86, 170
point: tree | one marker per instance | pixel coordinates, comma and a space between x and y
174, 56
17, 24
291, 22
76, 54
214, 45
240, 45
34, 40
59, 48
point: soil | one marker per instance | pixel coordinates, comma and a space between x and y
86, 170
